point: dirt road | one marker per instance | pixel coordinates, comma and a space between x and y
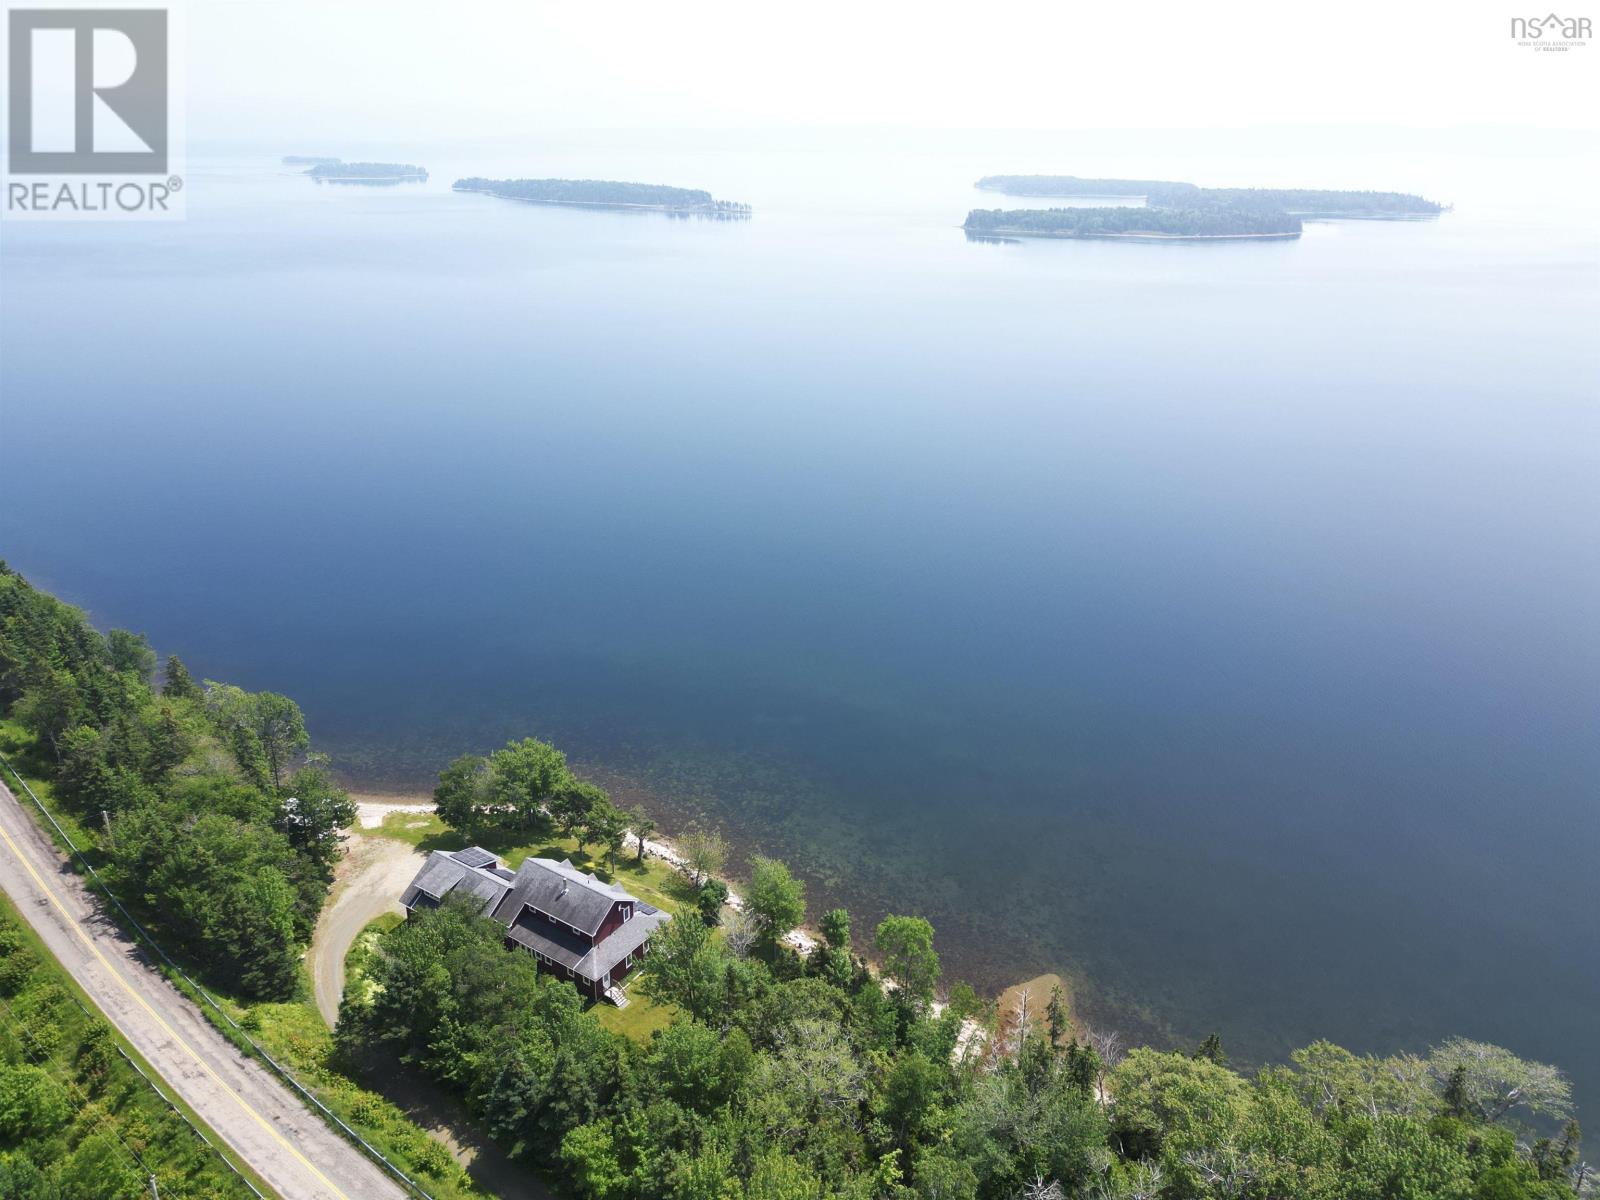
372, 874
259, 1118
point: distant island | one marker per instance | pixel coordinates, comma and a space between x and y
333, 170
1181, 210
601, 193
1132, 222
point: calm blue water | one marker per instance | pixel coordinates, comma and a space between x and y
1215, 622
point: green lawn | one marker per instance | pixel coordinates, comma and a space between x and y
654, 881
639, 1020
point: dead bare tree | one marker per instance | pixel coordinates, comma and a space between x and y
739, 933
1040, 1189
1585, 1181
1107, 1045
1494, 1081
1223, 1171
1145, 1181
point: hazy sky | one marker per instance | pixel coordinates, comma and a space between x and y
499, 68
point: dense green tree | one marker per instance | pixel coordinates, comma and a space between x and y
32, 1104
312, 814
906, 946
589, 1155
223, 889
1211, 1050
777, 900
281, 728
835, 928
264, 730
53, 704
686, 967
698, 1068
465, 797
908, 1097
1170, 1102
604, 825
131, 652
527, 774
709, 899
1014, 1127
177, 683
1055, 1015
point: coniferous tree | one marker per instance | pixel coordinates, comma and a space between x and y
177, 682
1211, 1050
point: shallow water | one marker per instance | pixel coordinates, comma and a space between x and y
1216, 622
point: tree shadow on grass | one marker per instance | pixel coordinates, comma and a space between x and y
496, 839
439, 1112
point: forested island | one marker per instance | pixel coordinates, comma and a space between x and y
334, 170
1181, 210
1133, 222
603, 193
749, 1069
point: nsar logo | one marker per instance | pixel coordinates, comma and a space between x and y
1551, 32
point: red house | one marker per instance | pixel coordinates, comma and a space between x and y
577, 927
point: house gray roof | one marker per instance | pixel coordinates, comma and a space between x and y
566, 949
458, 873
560, 890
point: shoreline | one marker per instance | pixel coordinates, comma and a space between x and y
372, 808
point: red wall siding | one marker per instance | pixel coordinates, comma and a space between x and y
610, 924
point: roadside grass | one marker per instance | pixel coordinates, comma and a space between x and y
294, 1034
18, 745
45, 1010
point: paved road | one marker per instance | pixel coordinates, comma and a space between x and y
260, 1119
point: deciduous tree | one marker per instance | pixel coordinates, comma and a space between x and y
703, 851
777, 900
906, 946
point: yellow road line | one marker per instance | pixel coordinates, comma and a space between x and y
155, 1016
